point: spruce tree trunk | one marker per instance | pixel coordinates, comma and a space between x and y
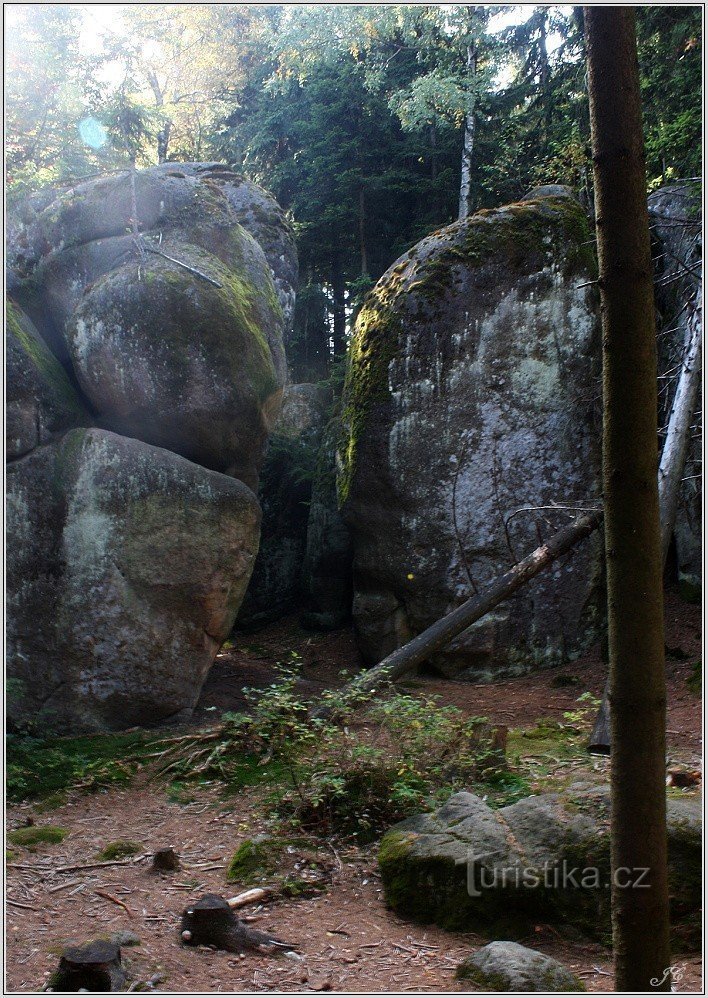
640, 916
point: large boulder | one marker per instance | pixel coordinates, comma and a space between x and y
132, 543
471, 408
285, 492
125, 571
176, 340
41, 402
675, 215
545, 858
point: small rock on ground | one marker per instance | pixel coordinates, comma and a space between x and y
506, 966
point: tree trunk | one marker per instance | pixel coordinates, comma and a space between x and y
362, 233
417, 651
468, 144
640, 917
163, 141
339, 315
673, 459
673, 456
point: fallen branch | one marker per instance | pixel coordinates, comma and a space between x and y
404, 660
250, 897
184, 266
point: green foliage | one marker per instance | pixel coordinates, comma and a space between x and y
118, 850
356, 767
38, 768
35, 835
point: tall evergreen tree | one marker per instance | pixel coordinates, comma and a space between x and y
640, 914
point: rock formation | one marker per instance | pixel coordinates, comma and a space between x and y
674, 214
473, 393
543, 859
138, 412
285, 492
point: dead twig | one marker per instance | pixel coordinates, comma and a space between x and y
109, 897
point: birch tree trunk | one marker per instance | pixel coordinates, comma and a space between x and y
640, 917
673, 455
468, 144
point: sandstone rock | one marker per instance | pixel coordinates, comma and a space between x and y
473, 392
284, 492
126, 569
261, 215
41, 401
179, 363
191, 360
545, 858
327, 568
507, 966
676, 226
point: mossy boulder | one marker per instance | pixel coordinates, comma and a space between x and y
41, 401
507, 966
177, 339
546, 858
473, 390
126, 571
178, 362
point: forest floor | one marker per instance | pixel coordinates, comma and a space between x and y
346, 937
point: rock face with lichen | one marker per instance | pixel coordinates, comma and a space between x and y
471, 408
144, 377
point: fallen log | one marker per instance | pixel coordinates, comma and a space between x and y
673, 459
404, 660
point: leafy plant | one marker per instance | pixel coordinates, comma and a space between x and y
352, 767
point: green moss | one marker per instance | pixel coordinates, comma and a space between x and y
374, 344
41, 768
695, 680
549, 230
34, 835
265, 860
45, 363
119, 850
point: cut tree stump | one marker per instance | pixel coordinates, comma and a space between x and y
210, 921
93, 966
165, 861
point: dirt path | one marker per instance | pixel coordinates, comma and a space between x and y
348, 940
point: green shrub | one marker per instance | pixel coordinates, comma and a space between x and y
362, 763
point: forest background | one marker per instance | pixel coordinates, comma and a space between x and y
372, 125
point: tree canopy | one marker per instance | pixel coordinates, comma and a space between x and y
362, 120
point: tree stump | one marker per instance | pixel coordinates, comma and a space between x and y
93, 966
211, 922
165, 861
